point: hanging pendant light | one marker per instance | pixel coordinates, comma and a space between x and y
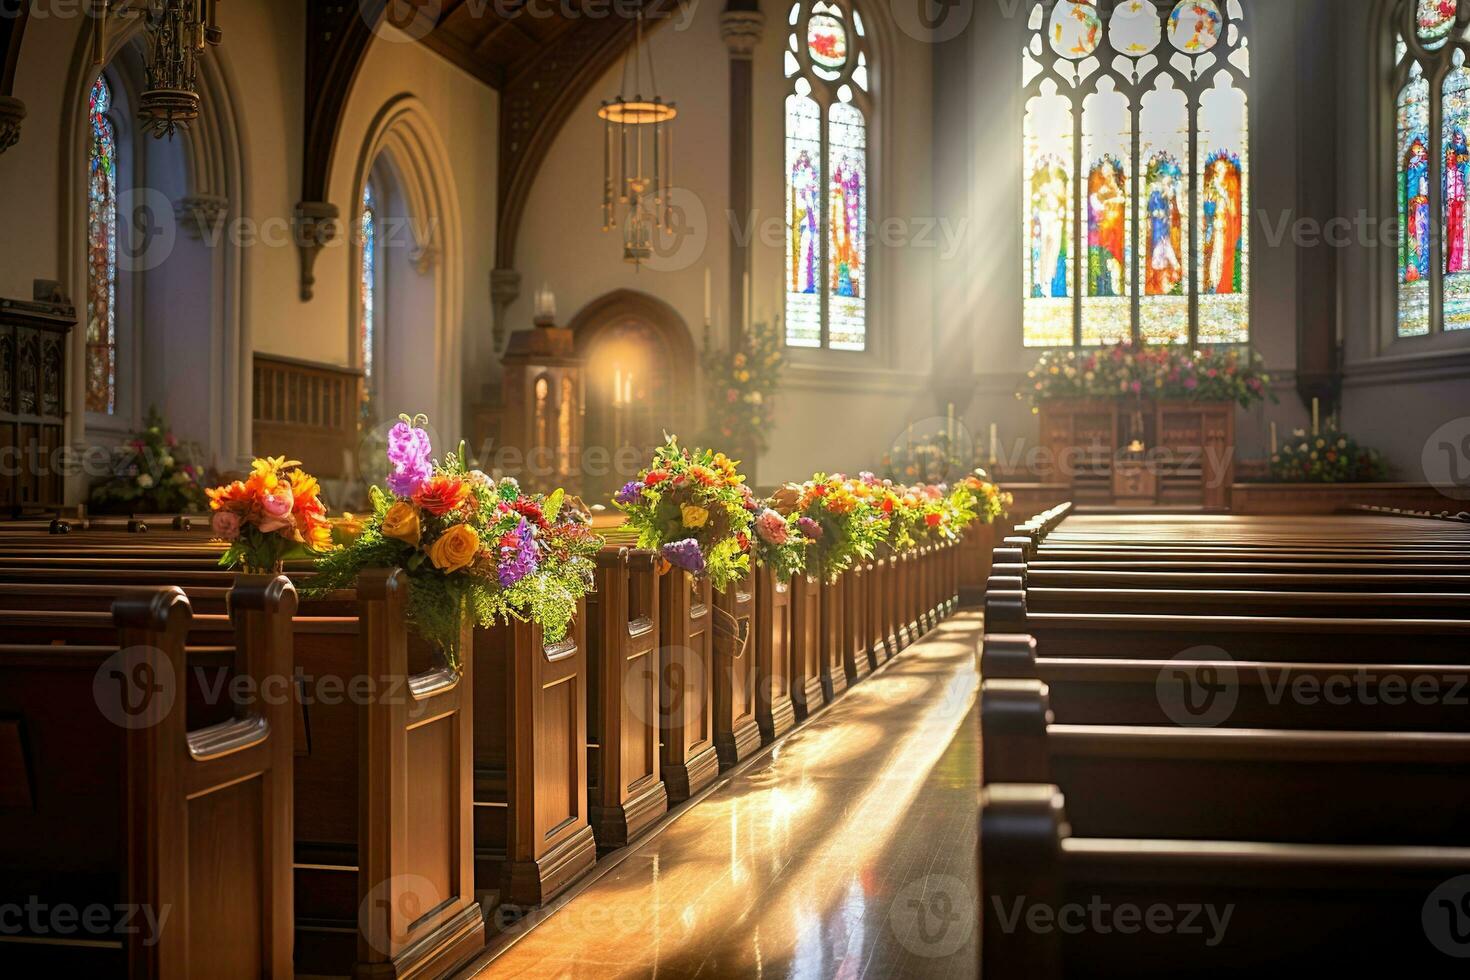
178, 30
637, 156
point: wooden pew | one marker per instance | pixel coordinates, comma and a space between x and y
110, 802
1309, 696
806, 646
1273, 638
1058, 903
625, 780
737, 732
857, 662
1231, 784
537, 756
833, 612
389, 753
686, 684
774, 649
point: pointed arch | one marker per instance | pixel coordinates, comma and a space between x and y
197, 188
419, 223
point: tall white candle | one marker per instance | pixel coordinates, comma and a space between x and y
994, 442
1316, 417
1274, 445
707, 294
746, 289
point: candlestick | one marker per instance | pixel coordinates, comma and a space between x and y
746, 289
949, 424
994, 442
1316, 417
706, 294
1274, 445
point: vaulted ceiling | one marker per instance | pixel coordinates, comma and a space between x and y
543, 56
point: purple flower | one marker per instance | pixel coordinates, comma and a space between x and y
631, 491
809, 527
517, 554
411, 455
685, 554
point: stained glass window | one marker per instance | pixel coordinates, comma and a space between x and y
368, 296
828, 107
101, 252
1431, 170
1137, 173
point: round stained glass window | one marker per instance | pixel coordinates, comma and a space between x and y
826, 41
1135, 29
1076, 29
1195, 25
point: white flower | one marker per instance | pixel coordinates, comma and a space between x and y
166, 461
145, 480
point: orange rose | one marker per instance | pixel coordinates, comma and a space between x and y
401, 523
455, 549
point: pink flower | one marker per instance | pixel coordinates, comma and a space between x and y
771, 526
278, 503
225, 524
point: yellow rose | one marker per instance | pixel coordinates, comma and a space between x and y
455, 549
401, 523
694, 515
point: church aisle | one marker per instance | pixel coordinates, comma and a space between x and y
848, 851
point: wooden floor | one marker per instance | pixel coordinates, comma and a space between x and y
848, 850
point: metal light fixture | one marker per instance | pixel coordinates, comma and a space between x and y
637, 157
178, 30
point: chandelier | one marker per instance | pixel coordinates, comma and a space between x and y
637, 156
178, 30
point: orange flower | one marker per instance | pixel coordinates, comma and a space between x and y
442, 494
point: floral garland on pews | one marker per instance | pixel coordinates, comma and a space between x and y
470, 545
837, 517
694, 509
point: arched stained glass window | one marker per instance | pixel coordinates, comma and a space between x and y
101, 252
1135, 213
828, 109
367, 327
1431, 170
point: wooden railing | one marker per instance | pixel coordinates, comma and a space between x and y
309, 412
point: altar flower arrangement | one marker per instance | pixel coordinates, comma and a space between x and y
839, 519
741, 383
1330, 456
470, 545
274, 515
153, 472
1168, 371
691, 507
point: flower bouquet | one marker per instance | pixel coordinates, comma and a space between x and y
690, 507
838, 517
470, 545
741, 383
274, 515
152, 473
1329, 457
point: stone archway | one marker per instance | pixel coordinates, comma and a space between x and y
641, 370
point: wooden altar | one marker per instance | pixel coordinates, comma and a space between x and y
1139, 452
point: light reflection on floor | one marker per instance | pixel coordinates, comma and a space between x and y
849, 852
